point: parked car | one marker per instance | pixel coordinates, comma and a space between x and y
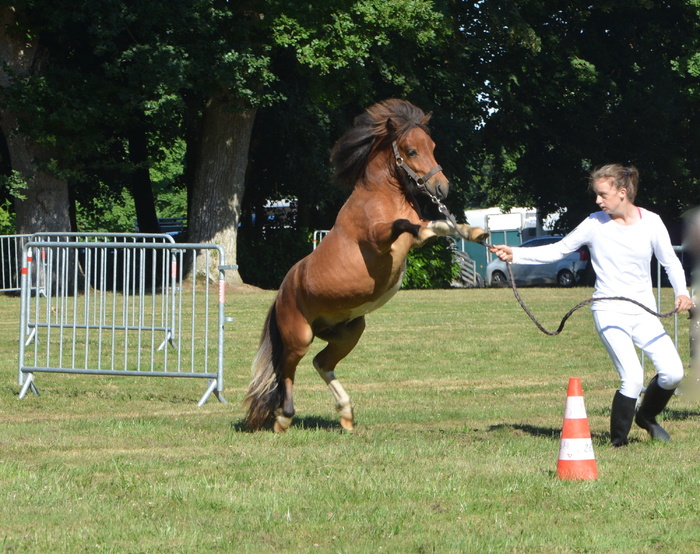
564, 273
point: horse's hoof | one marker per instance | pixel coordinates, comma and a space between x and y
347, 424
278, 428
345, 412
478, 235
282, 424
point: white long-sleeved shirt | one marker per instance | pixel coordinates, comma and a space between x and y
621, 258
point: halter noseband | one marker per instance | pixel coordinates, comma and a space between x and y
420, 181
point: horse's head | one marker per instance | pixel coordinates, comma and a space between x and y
414, 156
396, 124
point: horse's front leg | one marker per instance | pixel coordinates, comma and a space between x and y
444, 227
385, 234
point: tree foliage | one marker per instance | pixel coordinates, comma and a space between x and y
576, 85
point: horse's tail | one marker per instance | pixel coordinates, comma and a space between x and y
266, 391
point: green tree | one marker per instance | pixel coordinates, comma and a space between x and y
576, 85
44, 203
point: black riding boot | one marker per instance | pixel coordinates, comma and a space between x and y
655, 400
621, 416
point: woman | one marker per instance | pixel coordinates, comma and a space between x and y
622, 238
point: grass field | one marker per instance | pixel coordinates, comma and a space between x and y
458, 401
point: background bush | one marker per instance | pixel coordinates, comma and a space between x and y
430, 267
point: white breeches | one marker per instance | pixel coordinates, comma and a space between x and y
620, 334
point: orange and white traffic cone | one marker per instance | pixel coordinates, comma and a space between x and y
576, 457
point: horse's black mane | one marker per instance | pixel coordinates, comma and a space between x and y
352, 151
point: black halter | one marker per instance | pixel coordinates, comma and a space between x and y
420, 181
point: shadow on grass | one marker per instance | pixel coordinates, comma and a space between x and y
679, 415
304, 422
600, 437
544, 432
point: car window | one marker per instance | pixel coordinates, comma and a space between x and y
540, 242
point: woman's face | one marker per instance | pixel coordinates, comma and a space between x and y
608, 198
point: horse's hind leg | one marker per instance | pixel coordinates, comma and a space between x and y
341, 340
296, 336
285, 413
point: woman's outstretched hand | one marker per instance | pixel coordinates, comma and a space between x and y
503, 252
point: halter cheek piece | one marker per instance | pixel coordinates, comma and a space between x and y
420, 181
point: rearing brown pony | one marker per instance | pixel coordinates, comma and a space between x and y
386, 158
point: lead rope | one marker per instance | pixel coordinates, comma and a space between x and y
572, 310
443, 209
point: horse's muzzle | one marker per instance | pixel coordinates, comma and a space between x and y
441, 190
437, 189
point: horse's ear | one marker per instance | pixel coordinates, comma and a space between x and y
390, 128
427, 117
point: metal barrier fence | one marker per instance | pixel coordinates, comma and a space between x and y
660, 307
318, 236
468, 276
122, 308
44, 274
11, 261
11, 253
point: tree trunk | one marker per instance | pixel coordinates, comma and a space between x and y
46, 203
45, 206
141, 185
219, 181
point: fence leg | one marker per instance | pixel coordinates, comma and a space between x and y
31, 334
168, 339
212, 388
27, 384
220, 395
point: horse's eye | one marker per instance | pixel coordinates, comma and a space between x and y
412, 153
